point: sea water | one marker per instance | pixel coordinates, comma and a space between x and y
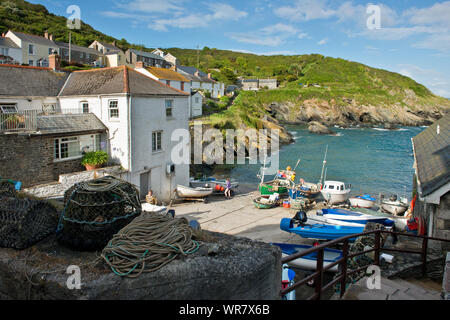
372, 160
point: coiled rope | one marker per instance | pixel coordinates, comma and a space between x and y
148, 243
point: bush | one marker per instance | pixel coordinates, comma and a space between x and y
95, 158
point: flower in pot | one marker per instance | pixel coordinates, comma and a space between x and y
94, 160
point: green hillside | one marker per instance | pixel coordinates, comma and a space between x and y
334, 84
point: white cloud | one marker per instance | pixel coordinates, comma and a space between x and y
434, 80
305, 10
438, 14
159, 6
322, 42
273, 35
217, 13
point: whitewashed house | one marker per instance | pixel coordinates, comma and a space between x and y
196, 104
114, 56
202, 81
140, 114
10, 53
166, 76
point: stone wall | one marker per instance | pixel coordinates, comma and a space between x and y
224, 268
57, 189
29, 159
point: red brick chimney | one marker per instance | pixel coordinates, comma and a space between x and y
54, 62
51, 37
46, 35
139, 65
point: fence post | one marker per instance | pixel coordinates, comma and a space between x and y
424, 256
377, 248
319, 277
344, 267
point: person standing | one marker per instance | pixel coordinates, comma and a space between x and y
228, 189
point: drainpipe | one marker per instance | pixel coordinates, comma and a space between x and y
130, 140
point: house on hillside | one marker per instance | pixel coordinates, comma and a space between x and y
134, 56
432, 179
202, 81
114, 56
140, 114
10, 53
82, 55
171, 59
166, 76
257, 84
37, 145
35, 49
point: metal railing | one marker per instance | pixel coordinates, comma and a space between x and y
317, 276
18, 121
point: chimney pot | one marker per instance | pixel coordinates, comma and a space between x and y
54, 62
51, 37
46, 35
140, 65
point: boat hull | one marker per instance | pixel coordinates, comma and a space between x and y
261, 205
361, 203
309, 262
295, 193
335, 198
395, 209
269, 189
356, 217
186, 192
320, 231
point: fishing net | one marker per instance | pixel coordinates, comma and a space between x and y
7, 188
24, 222
361, 244
95, 210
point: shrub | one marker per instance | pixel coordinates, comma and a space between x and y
95, 158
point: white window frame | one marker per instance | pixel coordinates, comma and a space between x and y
4, 107
155, 135
31, 63
168, 109
114, 118
30, 45
57, 143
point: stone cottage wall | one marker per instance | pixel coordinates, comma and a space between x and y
29, 159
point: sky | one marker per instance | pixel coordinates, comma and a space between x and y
410, 37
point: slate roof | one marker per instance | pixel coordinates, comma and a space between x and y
6, 42
189, 72
69, 123
432, 155
166, 74
34, 39
146, 54
77, 48
114, 81
30, 81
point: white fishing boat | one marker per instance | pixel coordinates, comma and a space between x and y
394, 205
335, 192
187, 192
362, 201
147, 207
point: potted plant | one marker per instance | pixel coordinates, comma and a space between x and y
94, 160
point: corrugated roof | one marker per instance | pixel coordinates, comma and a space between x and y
69, 123
114, 80
166, 74
31, 81
432, 155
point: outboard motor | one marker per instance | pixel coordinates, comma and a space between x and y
301, 217
393, 198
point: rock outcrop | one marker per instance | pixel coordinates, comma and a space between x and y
318, 128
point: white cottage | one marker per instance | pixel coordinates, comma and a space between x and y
140, 114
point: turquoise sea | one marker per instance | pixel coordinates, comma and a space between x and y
371, 160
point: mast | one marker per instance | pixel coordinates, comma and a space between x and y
70, 46
323, 166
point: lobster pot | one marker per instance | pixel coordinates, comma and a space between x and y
95, 210
25, 222
7, 188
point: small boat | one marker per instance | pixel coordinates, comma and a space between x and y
362, 201
309, 262
319, 231
304, 190
187, 192
147, 207
395, 206
356, 217
335, 192
321, 219
210, 183
265, 202
279, 186
400, 222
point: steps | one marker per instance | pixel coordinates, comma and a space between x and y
396, 289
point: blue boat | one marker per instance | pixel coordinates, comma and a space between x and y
356, 217
309, 262
303, 192
319, 231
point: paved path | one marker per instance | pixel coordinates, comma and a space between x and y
396, 289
